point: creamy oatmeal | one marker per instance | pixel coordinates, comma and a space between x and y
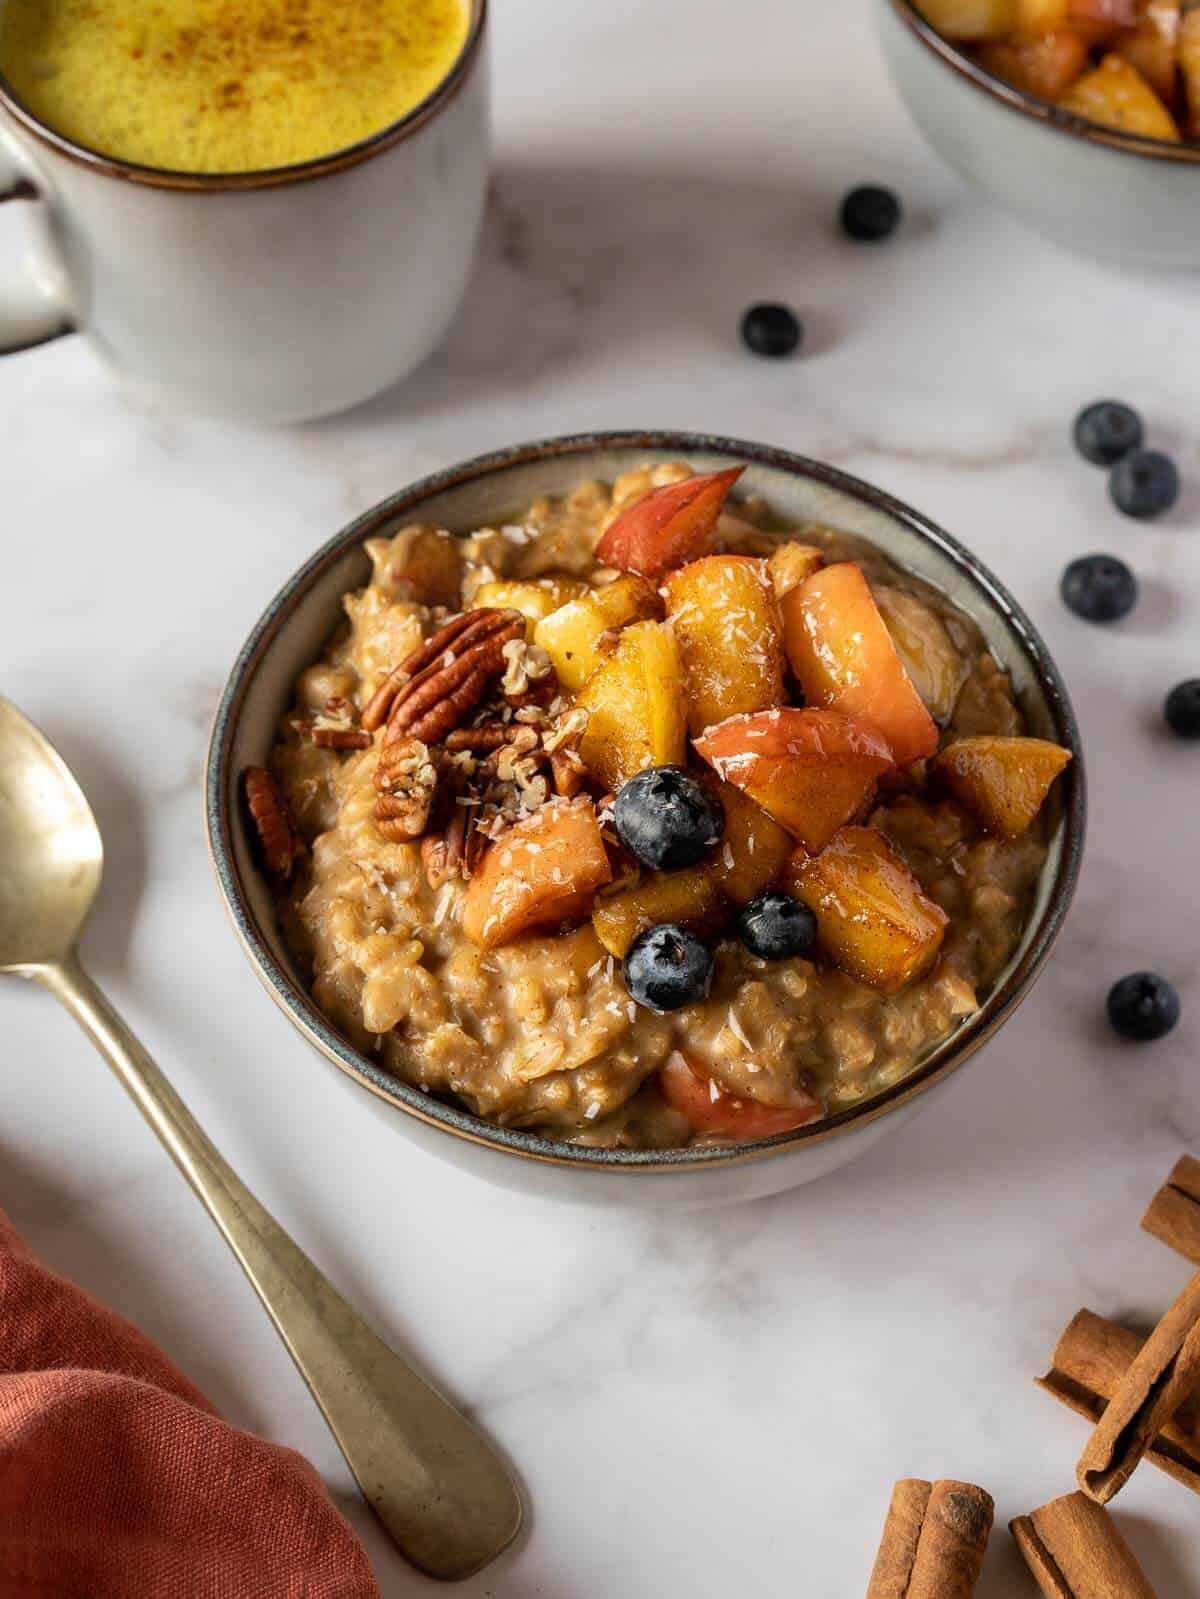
456, 880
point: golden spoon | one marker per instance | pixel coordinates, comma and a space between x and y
435, 1484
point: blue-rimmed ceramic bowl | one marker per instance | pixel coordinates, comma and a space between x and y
292, 633
1110, 195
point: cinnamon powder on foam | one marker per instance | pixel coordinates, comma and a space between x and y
226, 85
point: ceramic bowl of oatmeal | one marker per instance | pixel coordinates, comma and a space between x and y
1081, 117
646, 817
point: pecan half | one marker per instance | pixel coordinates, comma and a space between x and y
442, 853
442, 702
456, 652
278, 836
481, 740
406, 782
457, 851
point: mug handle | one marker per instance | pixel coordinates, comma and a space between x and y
30, 312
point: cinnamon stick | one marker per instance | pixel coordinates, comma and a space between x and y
1074, 1550
1090, 1364
1174, 1214
933, 1541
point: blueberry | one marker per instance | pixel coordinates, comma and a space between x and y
667, 818
1144, 484
774, 926
772, 330
870, 213
1106, 431
667, 967
1143, 1006
1182, 709
1099, 588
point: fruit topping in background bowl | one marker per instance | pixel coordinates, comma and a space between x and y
642, 821
1133, 65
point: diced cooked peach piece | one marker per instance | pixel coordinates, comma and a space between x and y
873, 918
1003, 782
937, 669
1116, 95
810, 769
712, 1111
1045, 66
844, 658
753, 850
535, 598
668, 526
970, 19
634, 701
571, 635
690, 897
1189, 62
726, 621
544, 871
791, 563
1151, 47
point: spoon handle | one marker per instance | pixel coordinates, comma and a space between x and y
438, 1488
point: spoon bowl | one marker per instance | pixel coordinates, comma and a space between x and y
51, 853
437, 1486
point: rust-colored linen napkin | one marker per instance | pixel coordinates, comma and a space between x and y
118, 1480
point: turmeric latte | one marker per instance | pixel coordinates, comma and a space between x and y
225, 85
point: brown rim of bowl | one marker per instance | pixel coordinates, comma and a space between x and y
1044, 111
222, 786
268, 177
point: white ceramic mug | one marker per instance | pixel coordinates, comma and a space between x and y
265, 296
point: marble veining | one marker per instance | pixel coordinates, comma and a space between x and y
715, 1405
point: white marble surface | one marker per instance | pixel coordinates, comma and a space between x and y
717, 1405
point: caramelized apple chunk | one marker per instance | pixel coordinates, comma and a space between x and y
791, 563
937, 668
422, 562
542, 872
752, 852
1045, 66
968, 20
1189, 63
690, 898
810, 769
1003, 782
1152, 47
843, 657
723, 612
713, 1112
1035, 17
634, 701
1100, 20
873, 918
669, 526
535, 598
572, 636
1116, 95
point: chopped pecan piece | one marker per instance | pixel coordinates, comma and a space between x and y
566, 773
527, 668
334, 729
406, 781
278, 836
468, 650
